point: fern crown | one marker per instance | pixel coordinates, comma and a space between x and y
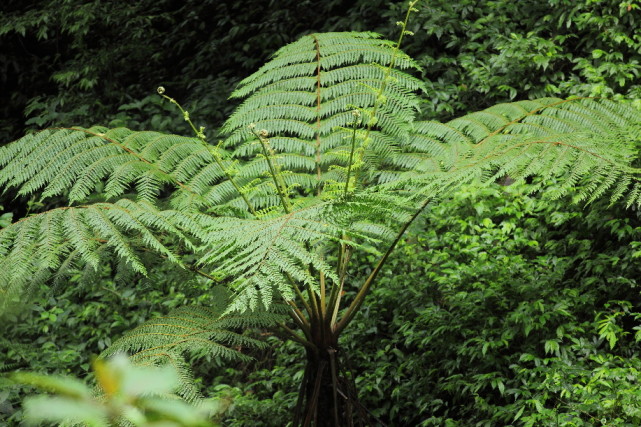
324, 150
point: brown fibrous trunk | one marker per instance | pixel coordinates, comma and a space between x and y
327, 396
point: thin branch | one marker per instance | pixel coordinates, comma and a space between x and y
299, 319
356, 114
317, 159
290, 334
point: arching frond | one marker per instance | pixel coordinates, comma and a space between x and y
35, 248
588, 141
307, 97
77, 163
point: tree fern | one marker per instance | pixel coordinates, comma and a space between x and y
322, 158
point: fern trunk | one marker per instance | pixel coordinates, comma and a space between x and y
327, 396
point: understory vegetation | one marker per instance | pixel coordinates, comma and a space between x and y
499, 309
443, 230
510, 305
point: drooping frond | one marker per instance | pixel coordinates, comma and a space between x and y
35, 248
314, 98
193, 331
593, 142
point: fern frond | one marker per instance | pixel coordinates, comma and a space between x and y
37, 247
305, 97
591, 142
77, 163
193, 331
266, 256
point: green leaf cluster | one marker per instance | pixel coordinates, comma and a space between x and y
517, 311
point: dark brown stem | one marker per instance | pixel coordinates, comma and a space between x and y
290, 334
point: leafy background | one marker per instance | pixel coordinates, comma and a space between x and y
516, 310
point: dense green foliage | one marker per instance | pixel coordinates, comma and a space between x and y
526, 310
510, 305
515, 309
478, 53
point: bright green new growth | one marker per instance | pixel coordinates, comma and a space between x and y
130, 395
322, 158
